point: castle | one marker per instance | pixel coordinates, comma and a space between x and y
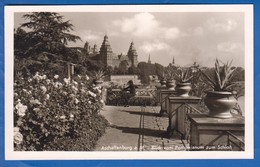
107, 57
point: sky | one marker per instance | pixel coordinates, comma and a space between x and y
186, 36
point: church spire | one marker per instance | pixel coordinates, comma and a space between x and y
173, 61
149, 59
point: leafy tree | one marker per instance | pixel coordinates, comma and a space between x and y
133, 70
123, 67
48, 32
42, 47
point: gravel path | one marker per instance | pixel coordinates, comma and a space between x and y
137, 129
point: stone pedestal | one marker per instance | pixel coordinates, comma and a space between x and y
158, 90
207, 133
177, 113
163, 95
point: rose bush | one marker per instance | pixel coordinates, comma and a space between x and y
49, 112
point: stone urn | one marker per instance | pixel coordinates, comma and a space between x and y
220, 103
183, 89
170, 84
163, 83
98, 82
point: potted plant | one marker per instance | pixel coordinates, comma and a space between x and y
220, 100
163, 80
183, 76
98, 77
169, 76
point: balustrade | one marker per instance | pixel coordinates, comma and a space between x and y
206, 134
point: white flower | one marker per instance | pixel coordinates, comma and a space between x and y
76, 101
66, 80
18, 138
36, 109
29, 80
83, 90
87, 78
44, 77
102, 101
92, 94
47, 97
99, 91
74, 82
71, 116
57, 84
21, 109
16, 129
48, 81
44, 89
74, 88
56, 76
89, 102
62, 117
35, 101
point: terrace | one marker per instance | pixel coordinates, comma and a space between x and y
169, 123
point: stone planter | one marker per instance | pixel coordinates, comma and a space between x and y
183, 89
220, 104
170, 84
163, 83
98, 82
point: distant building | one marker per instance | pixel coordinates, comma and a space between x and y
107, 57
149, 60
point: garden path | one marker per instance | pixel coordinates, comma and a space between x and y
137, 128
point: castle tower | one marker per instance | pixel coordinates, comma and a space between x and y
132, 54
95, 49
87, 47
149, 59
106, 53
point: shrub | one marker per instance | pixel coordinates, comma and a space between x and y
50, 110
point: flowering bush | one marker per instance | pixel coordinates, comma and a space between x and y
47, 110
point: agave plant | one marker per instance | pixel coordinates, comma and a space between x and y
221, 78
183, 75
98, 75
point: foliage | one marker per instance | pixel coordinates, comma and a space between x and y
169, 72
221, 77
48, 32
143, 97
98, 75
42, 47
183, 75
49, 110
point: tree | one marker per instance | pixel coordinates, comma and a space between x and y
42, 47
133, 70
123, 67
48, 32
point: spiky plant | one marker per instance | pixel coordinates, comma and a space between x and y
98, 75
221, 78
183, 75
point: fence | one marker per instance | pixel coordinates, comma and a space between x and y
232, 139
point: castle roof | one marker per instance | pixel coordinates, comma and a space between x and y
132, 50
106, 45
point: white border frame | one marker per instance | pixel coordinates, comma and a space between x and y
10, 154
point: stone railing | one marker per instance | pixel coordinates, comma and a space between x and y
235, 141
